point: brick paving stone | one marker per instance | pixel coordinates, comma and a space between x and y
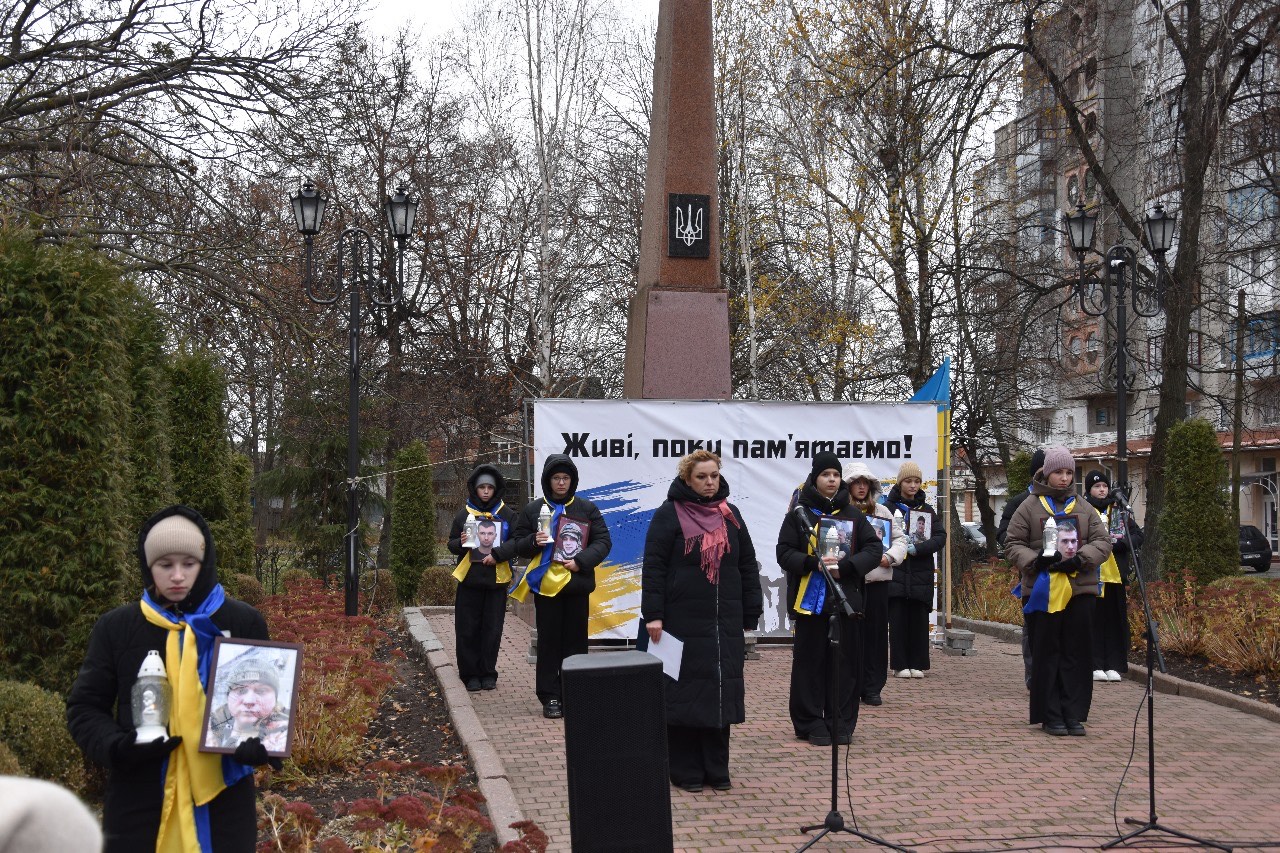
947, 763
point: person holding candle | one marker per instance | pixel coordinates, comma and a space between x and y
206, 800
562, 589
1059, 585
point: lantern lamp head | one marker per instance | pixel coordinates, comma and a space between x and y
1160, 227
308, 209
401, 209
1080, 227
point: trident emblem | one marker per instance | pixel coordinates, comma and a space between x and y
688, 226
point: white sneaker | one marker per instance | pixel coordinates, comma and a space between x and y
917, 673
902, 673
1112, 675
1099, 675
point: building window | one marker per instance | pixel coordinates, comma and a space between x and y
1102, 416
508, 452
1092, 347
1075, 348
1193, 348
1269, 414
1040, 430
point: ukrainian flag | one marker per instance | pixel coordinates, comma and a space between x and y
937, 389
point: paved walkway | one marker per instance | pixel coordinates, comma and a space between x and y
947, 763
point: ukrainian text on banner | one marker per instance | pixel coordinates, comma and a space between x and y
627, 450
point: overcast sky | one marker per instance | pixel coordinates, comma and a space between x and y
436, 16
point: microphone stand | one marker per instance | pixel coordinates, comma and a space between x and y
834, 821
1154, 657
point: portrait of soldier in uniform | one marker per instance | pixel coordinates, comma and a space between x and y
253, 707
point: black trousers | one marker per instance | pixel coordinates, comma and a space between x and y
875, 639
478, 614
1111, 639
810, 673
1062, 662
698, 755
908, 634
562, 631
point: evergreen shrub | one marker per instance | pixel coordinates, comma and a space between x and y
33, 725
1019, 473
436, 587
413, 520
65, 537
1197, 529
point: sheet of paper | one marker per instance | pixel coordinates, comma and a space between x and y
669, 650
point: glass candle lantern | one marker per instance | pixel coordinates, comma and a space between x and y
1050, 537
151, 699
544, 520
471, 533
831, 543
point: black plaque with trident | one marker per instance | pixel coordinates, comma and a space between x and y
688, 226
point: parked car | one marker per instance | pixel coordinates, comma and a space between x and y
972, 531
1255, 550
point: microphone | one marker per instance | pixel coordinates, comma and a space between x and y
802, 517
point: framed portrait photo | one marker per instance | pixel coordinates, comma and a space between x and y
253, 685
884, 529
488, 535
920, 526
835, 536
571, 538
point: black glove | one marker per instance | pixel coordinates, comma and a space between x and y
251, 752
1073, 564
1120, 546
1043, 562
127, 753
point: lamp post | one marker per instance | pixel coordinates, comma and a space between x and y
356, 271
1159, 227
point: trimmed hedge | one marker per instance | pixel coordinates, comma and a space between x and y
65, 499
413, 519
1197, 528
436, 587
33, 726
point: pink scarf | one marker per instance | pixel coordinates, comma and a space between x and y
703, 524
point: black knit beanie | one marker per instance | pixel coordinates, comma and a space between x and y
821, 462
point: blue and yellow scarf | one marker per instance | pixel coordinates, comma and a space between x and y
811, 597
545, 577
502, 569
192, 778
1052, 590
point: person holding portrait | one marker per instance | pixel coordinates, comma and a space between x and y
701, 584
165, 793
483, 574
911, 589
864, 493
816, 716
1111, 637
1058, 590
561, 588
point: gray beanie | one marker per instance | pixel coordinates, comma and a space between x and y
486, 479
175, 534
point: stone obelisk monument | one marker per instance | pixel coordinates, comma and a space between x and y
678, 330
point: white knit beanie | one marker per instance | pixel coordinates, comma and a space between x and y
41, 817
175, 534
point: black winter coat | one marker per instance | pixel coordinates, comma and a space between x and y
1122, 549
583, 581
708, 618
100, 716
793, 547
480, 575
913, 577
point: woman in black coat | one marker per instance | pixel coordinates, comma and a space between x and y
181, 596
911, 590
825, 494
701, 582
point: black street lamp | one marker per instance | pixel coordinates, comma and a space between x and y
1159, 227
356, 271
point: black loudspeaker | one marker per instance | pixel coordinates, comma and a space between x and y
615, 743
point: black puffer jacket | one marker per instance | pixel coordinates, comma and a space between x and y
708, 618
793, 546
913, 577
479, 574
100, 716
583, 581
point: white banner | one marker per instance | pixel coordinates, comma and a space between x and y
627, 451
